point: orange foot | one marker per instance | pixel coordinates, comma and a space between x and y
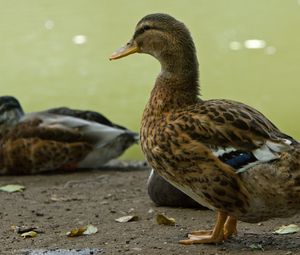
210, 236
197, 239
201, 232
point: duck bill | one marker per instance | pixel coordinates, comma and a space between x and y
130, 48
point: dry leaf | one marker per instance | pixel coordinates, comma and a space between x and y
76, 232
56, 198
289, 229
90, 229
162, 219
23, 229
127, 218
87, 230
29, 234
12, 188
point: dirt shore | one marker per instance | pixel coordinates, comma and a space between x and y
57, 203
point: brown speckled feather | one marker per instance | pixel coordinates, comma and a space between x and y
29, 148
187, 163
224, 123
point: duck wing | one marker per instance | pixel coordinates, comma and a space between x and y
84, 114
92, 132
234, 132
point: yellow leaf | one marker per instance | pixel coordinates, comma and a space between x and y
127, 218
29, 234
162, 219
12, 188
76, 232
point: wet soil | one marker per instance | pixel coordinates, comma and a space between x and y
57, 203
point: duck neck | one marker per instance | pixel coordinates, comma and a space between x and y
177, 85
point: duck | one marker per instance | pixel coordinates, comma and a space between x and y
57, 138
224, 154
163, 193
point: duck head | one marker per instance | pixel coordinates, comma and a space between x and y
10, 113
166, 39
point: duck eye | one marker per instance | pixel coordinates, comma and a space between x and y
146, 27
142, 30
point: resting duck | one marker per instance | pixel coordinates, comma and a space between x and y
225, 155
59, 138
163, 193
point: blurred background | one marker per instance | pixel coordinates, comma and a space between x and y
55, 53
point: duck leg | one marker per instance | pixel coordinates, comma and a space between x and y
230, 227
214, 236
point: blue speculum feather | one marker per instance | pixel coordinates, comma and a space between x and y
238, 159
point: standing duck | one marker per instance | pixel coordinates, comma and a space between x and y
225, 155
59, 138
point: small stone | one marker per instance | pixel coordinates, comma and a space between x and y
130, 210
136, 249
150, 210
108, 195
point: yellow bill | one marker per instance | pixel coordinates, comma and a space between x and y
130, 48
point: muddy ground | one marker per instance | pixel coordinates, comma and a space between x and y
59, 202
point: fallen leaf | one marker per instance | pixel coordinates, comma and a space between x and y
76, 232
23, 229
289, 229
56, 198
12, 188
127, 218
162, 219
86, 230
29, 234
90, 229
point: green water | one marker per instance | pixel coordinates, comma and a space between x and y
42, 66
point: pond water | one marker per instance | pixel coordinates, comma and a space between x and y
55, 53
